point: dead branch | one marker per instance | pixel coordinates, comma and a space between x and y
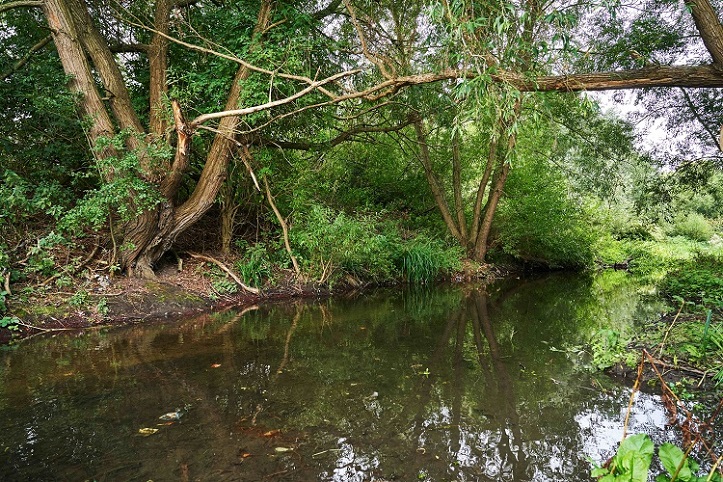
269, 105
225, 269
284, 225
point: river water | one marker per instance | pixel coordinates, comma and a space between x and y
458, 383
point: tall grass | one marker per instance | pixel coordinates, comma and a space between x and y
424, 259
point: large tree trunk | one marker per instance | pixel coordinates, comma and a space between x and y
147, 237
156, 232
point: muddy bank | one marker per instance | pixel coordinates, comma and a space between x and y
101, 300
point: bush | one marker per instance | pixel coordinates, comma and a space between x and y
331, 244
255, 267
692, 226
698, 280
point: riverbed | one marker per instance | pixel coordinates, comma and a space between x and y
452, 383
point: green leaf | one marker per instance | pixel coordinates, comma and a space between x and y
673, 457
634, 457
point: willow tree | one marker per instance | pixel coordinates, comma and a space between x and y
503, 52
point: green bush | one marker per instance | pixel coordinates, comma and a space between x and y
545, 225
255, 267
699, 280
330, 244
693, 226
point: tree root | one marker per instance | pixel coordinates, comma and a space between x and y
218, 263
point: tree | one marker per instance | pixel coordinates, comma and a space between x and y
505, 47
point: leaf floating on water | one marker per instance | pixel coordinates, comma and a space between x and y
282, 450
171, 415
146, 431
216, 365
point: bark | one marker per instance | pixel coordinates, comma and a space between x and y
457, 185
481, 190
437, 191
709, 26
500, 178
105, 66
158, 62
75, 64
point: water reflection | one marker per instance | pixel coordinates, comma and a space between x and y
451, 384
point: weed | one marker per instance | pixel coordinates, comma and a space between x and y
10, 322
79, 299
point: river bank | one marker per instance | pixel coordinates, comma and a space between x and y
189, 286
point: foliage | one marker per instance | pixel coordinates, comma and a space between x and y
332, 244
697, 280
632, 463
693, 226
423, 259
540, 222
255, 265
125, 194
608, 348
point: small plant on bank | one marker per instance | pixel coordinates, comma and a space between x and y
423, 259
255, 266
79, 299
698, 280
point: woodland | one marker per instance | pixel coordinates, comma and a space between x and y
329, 142
342, 143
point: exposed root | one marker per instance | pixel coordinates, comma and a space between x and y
225, 269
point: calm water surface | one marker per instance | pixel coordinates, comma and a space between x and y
446, 384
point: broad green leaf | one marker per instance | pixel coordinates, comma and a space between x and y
672, 457
638, 443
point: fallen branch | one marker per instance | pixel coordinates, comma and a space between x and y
224, 268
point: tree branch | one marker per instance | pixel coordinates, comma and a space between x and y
709, 26
19, 4
26, 58
268, 105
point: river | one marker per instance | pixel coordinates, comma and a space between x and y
455, 383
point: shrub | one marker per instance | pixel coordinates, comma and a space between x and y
331, 244
255, 267
692, 226
423, 259
698, 280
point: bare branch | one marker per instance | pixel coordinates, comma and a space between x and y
268, 105
232, 58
